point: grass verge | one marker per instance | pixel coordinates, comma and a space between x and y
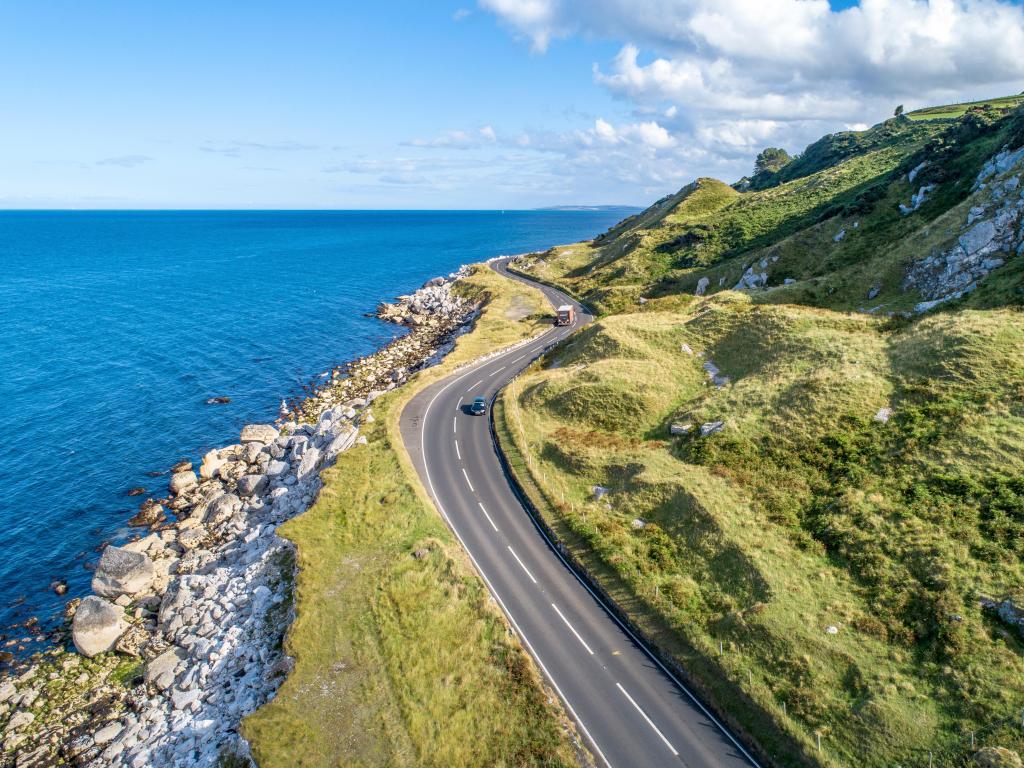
401, 657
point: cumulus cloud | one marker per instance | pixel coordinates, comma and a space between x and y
787, 58
710, 82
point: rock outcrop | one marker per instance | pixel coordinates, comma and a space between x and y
991, 234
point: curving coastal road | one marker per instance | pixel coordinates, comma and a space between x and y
631, 710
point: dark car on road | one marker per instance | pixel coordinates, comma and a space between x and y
479, 407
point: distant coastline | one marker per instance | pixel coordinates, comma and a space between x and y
591, 208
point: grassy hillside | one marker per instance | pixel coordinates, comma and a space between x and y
952, 111
401, 657
826, 237
818, 560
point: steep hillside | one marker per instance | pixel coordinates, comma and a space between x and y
804, 405
840, 226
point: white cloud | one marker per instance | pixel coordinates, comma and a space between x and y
762, 58
459, 139
538, 19
724, 78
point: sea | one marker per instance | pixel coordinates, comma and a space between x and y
116, 328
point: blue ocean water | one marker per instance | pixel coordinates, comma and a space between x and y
115, 328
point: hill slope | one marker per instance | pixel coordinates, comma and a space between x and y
807, 401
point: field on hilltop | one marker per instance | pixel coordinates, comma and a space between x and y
803, 402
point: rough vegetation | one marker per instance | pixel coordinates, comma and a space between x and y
806, 402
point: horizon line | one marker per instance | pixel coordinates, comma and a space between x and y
548, 208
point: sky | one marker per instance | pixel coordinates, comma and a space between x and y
458, 105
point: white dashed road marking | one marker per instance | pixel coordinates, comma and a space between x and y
645, 717
487, 516
522, 565
572, 629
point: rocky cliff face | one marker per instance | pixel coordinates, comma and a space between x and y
991, 234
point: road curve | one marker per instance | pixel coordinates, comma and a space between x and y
630, 708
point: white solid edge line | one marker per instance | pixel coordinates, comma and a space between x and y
487, 516
457, 453
490, 586
522, 564
649, 721
466, 475
643, 646
572, 629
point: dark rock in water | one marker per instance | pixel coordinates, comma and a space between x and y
218, 400
150, 513
6, 657
137, 491
60, 586
182, 466
154, 474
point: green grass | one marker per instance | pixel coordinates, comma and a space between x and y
952, 111
401, 657
803, 513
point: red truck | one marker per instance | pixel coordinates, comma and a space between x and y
565, 315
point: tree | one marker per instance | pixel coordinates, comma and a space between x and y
771, 160
899, 111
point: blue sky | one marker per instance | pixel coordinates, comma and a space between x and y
501, 103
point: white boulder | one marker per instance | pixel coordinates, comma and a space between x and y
162, 670
97, 626
251, 485
222, 508
122, 572
258, 433
182, 481
212, 462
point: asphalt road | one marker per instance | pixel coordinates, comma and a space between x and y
632, 711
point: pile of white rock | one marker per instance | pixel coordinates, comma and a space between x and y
196, 600
433, 303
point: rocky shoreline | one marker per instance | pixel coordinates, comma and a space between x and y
183, 635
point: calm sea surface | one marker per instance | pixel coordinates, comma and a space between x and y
115, 328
